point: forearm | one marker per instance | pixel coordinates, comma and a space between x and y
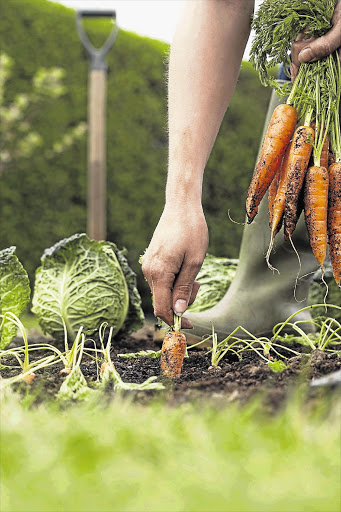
205, 59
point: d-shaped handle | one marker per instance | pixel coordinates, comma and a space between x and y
97, 55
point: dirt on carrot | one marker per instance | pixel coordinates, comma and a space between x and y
300, 153
334, 219
172, 354
315, 210
278, 135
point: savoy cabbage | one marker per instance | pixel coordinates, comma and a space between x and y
83, 282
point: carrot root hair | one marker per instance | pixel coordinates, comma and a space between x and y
299, 270
268, 254
234, 221
327, 288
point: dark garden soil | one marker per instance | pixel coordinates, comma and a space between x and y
233, 381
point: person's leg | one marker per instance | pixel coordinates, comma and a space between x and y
258, 298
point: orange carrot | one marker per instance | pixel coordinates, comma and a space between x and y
272, 194
278, 135
297, 167
29, 378
334, 219
65, 371
172, 354
315, 210
279, 203
331, 159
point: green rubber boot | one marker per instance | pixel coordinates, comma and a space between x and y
258, 298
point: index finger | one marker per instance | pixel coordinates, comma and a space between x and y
162, 286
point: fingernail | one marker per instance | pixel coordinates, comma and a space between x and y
180, 306
305, 55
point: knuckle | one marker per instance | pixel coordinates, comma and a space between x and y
166, 316
195, 263
326, 48
183, 289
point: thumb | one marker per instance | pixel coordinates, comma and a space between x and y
322, 46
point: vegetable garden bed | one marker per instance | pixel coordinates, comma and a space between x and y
231, 381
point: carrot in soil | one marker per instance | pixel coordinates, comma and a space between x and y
334, 220
299, 157
65, 371
29, 378
173, 351
278, 135
315, 211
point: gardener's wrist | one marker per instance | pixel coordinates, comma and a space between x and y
184, 186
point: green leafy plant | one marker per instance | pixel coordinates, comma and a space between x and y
277, 23
277, 365
328, 330
14, 293
82, 282
27, 369
215, 277
109, 374
75, 386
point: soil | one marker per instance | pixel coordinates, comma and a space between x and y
233, 381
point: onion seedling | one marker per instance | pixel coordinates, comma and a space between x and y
75, 386
110, 374
26, 376
27, 368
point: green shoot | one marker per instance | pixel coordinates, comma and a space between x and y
110, 374
277, 365
27, 372
43, 363
142, 353
329, 334
177, 323
75, 386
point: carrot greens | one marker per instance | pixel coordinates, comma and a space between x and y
278, 23
315, 93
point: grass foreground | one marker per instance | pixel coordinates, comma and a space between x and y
129, 457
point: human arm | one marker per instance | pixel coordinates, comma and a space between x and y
204, 64
310, 50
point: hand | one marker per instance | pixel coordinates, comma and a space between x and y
310, 50
173, 259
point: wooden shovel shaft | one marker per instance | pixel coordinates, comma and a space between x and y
97, 155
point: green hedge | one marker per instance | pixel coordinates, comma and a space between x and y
41, 203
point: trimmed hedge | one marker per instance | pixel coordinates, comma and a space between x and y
41, 203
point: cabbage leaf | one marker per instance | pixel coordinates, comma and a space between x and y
83, 282
215, 277
14, 292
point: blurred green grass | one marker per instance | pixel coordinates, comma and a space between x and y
127, 457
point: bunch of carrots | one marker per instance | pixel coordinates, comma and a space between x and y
300, 160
